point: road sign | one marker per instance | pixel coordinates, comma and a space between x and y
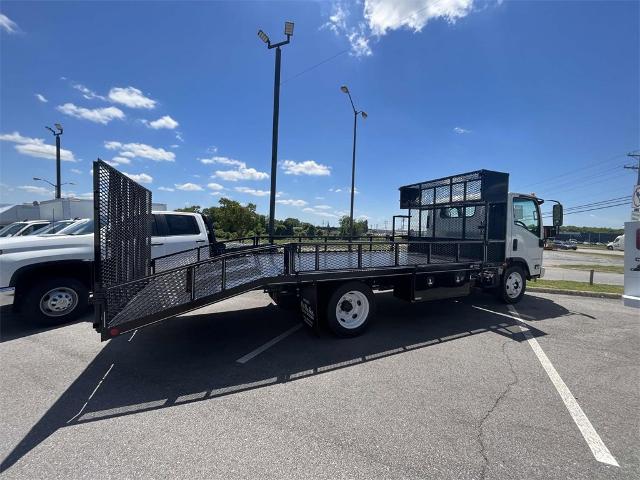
636, 197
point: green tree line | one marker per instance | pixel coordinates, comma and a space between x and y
233, 220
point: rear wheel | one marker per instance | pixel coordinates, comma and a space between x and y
513, 285
55, 301
350, 309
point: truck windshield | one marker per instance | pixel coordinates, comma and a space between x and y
11, 229
78, 228
53, 227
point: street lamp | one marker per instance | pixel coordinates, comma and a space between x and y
288, 31
345, 89
54, 186
56, 133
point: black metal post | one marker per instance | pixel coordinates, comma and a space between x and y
58, 181
274, 145
353, 172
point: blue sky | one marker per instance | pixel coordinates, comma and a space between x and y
180, 95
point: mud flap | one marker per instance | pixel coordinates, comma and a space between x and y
309, 307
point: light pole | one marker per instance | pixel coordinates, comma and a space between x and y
57, 187
345, 89
288, 31
57, 135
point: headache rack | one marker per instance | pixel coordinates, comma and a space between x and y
447, 233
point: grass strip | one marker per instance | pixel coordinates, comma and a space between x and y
579, 286
595, 267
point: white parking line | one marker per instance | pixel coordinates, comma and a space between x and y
597, 446
91, 396
269, 344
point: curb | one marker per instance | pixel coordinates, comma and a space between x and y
576, 293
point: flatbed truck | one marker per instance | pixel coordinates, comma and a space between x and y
464, 231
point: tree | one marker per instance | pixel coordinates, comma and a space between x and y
360, 227
191, 209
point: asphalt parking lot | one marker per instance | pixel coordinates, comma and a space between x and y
453, 389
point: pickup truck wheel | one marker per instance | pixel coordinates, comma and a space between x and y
513, 285
350, 309
55, 301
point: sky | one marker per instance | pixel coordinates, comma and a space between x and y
179, 95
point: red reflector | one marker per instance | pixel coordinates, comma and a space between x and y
114, 332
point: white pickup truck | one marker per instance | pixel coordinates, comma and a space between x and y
47, 277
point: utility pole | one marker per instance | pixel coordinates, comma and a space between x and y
635, 155
56, 133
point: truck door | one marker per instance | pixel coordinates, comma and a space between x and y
182, 232
525, 240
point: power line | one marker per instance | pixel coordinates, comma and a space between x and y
547, 215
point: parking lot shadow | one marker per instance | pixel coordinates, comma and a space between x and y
14, 326
193, 358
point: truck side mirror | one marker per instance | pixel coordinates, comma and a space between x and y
557, 215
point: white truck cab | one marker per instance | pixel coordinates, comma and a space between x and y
48, 277
525, 233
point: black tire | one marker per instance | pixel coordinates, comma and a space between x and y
353, 297
609, 248
512, 285
286, 301
39, 306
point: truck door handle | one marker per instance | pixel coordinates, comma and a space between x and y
515, 244
156, 244
200, 241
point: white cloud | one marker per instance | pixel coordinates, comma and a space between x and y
378, 17
215, 186
9, 25
385, 15
139, 177
76, 171
251, 191
121, 160
222, 161
167, 189
179, 136
242, 173
335, 190
35, 147
131, 97
323, 207
320, 213
319, 198
460, 130
174, 145
163, 122
189, 187
140, 150
41, 97
308, 167
97, 115
36, 190
87, 92
292, 202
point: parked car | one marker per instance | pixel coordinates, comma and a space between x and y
18, 229
617, 244
54, 227
47, 277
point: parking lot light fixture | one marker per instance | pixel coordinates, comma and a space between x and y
288, 31
56, 133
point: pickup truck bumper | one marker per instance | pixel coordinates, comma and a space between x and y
7, 295
542, 272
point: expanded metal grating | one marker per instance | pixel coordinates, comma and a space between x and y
122, 227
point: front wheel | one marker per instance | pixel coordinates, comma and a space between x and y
55, 301
350, 309
513, 285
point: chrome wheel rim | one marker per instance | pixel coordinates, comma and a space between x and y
513, 285
352, 309
58, 302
